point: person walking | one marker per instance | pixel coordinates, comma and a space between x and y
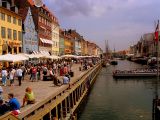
38, 73
4, 76
34, 73
19, 75
11, 76
23, 71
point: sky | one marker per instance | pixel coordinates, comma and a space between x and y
120, 22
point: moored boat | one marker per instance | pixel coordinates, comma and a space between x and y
135, 73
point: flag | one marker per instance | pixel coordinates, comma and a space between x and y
156, 34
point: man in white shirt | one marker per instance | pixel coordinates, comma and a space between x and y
11, 76
19, 75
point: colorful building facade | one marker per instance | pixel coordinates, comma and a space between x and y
68, 44
55, 36
76, 38
42, 18
82, 46
41, 31
61, 42
30, 40
11, 29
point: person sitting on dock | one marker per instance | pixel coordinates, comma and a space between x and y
29, 97
56, 81
66, 79
3, 107
1, 93
13, 104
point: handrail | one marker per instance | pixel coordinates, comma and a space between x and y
9, 116
75, 83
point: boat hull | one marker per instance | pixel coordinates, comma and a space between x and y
127, 75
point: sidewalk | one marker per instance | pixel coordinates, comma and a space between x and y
41, 89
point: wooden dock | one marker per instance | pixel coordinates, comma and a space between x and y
45, 91
41, 89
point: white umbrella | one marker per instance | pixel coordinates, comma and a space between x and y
52, 57
39, 55
12, 58
28, 55
21, 57
68, 56
55, 57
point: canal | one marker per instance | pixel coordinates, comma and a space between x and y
119, 99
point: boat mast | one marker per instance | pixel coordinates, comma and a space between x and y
114, 52
156, 95
106, 47
155, 100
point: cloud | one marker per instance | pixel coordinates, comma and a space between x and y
80, 7
119, 21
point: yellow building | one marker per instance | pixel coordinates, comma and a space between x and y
86, 48
55, 35
82, 47
10, 31
68, 45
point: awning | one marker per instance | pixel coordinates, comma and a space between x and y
46, 41
45, 52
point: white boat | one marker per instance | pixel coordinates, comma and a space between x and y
135, 73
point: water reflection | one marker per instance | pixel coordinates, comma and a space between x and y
120, 99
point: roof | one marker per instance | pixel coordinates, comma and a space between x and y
10, 11
23, 12
31, 2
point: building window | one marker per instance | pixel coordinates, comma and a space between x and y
9, 18
3, 16
19, 35
14, 35
19, 22
9, 33
14, 20
3, 32
20, 49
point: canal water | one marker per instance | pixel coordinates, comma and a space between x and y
120, 99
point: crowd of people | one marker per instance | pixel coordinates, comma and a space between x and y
36, 72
